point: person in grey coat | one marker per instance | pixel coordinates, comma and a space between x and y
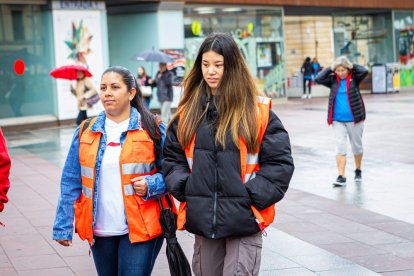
164, 82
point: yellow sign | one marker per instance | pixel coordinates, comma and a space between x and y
250, 27
196, 28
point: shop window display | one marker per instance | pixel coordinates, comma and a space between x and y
258, 33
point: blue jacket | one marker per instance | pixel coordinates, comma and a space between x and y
71, 181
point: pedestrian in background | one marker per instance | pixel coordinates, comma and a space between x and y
226, 156
164, 84
307, 72
110, 178
145, 85
346, 111
83, 90
316, 67
5, 165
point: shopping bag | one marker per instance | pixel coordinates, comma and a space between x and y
146, 91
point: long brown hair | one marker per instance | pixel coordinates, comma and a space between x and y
236, 97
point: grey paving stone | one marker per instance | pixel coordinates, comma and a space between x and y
35, 262
348, 249
383, 263
81, 265
323, 237
64, 271
399, 273
25, 245
352, 270
8, 272
375, 237
402, 250
288, 272
274, 261
321, 262
4, 260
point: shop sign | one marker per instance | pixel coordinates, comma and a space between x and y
78, 5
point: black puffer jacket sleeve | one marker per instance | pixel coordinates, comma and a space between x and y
325, 77
359, 73
276, 166
174, 164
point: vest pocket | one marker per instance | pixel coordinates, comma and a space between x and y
83, 217
149, 212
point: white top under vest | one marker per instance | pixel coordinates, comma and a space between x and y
110, 212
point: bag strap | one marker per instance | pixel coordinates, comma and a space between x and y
84, 125
168, 199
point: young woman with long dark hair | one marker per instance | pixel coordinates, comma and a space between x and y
227, 159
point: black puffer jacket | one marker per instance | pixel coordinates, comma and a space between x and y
329, 79
218, 204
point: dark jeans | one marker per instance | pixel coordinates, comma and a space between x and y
147, 101
81, 116
309, 85
117, 256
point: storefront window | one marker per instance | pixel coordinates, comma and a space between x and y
364, 39
258, 32
404, 46
25, 61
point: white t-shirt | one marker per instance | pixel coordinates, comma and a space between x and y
110, 212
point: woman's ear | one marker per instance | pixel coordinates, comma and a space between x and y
132, 93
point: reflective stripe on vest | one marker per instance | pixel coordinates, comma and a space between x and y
249, 165
137, 158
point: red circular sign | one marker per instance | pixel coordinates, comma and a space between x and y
19, 67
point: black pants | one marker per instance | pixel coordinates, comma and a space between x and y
304, 85
81, 116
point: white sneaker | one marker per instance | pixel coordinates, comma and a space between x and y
304, 96
310, 96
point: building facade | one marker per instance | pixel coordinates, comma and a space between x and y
273, 35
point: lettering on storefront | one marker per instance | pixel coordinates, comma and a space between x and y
78, 5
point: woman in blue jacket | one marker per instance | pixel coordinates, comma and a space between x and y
121, 220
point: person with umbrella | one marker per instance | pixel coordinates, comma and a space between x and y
83, 90
111, 181
164, 83
227, 159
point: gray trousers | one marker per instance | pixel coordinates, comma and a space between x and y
238, 256
353, 132
165, 111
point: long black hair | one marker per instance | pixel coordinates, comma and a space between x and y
149, 121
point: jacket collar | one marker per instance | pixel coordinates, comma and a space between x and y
134, 121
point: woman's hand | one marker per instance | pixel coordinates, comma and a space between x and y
140, 185
64, 242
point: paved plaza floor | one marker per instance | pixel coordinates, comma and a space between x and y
362, 229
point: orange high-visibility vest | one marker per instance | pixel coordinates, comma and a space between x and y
249, 165
137, 159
